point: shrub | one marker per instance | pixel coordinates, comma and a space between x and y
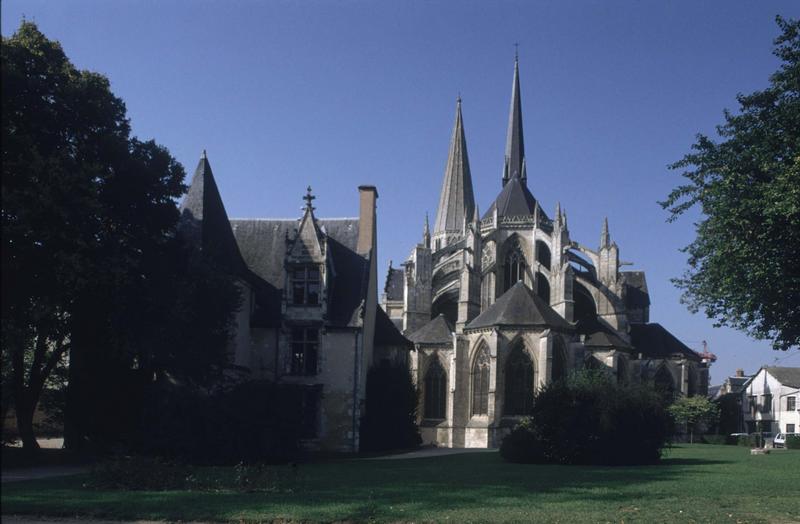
254, 421
390, 418
793, 442
749, 441
590, 419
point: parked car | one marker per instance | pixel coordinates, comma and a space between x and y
780, 440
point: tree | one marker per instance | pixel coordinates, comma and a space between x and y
91, 265
744, 264
696, 412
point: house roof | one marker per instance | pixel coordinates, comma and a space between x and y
786, 376
436, 332
519, 306
654, 341
386, 333
262, 243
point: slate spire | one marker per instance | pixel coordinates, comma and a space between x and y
515, 144
457, 201
205, 222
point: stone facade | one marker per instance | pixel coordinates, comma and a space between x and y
500, 305
309, 318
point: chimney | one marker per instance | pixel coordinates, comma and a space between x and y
367, 196
740, 373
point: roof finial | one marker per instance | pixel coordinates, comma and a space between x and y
308, 198
604, 236
204, 157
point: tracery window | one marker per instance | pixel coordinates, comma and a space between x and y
514, 267
519, 383
305, 286
435, 390
480, 383
304, 344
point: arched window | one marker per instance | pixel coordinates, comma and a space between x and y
543, 254
543, 287
664, 383
435, 390
514, 267
519, 383
480, 383
559, 369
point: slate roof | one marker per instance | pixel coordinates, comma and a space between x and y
599, 334
437, 332
636, 296
457, 201
262, 243
514, 199
386, 333
786, 376
203, 218
737, 383
519, 306
654, 341
394, 284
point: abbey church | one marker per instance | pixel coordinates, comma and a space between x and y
501, 304
486, 310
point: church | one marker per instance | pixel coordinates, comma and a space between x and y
499, 305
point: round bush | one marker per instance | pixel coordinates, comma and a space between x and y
590, 419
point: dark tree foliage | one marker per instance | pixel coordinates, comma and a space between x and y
588, 418
744, 265
390, 421
91, 267
250, 422
730, 413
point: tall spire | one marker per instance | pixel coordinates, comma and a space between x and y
515, 144
426, 233
457, 201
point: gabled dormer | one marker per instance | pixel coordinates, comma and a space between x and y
306, 261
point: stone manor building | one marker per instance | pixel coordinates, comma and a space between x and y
501, 304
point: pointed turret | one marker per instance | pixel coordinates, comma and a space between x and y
604, 236
515, 144
204, 220
426, 233
457, 201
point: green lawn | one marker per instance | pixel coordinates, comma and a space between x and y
699, 483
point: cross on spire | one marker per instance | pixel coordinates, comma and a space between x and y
309, 198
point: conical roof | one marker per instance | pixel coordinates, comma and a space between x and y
457, 200
519, 306
204, 220
514, 199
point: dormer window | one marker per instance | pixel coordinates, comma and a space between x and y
305, 286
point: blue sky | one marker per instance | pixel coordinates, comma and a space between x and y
287, 94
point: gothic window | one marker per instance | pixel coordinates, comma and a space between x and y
305, 286
480, 383
435, 390
304, 344
519, 383
664, 383
559, 369
543, 254
514, 267
543, 287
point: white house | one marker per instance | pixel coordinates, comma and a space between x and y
771, 396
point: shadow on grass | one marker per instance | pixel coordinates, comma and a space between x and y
469, 487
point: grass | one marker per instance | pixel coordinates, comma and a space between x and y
695, 483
